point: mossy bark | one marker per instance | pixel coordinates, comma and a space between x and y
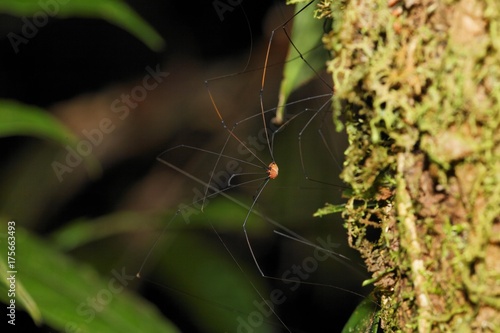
417, 84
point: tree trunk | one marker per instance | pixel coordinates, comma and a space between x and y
417, 87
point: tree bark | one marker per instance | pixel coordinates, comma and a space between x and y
417, 88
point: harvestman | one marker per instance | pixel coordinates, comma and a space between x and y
271, 169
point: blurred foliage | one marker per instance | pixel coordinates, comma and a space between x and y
70, 296
190, 272
17, 119
114, 11
49, 284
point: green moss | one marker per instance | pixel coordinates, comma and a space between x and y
418, 89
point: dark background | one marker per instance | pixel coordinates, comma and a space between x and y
72, 65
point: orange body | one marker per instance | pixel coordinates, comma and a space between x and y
273, 170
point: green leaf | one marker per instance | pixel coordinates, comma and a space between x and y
64, 290
84, 231
210, 285
365, 318
20, 119
114, 11
329, 209
22, 295
190, 264
187, 263
292, 2
26, 120
306, 36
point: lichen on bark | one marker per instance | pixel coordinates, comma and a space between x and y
417, 86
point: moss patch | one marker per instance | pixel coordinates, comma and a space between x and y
418, 86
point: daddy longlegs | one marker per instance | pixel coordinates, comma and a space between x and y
237, 177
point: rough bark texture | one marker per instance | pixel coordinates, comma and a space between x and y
418, 86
